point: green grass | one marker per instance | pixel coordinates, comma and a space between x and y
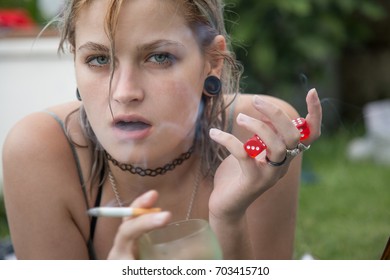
344, 211
4, 231
344, 207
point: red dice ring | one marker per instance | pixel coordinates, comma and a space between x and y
254, 146
303, 127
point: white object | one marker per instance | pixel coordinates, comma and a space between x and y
376, 143
50, 8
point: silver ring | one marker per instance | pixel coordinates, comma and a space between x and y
294, 152
275, 164
302, 147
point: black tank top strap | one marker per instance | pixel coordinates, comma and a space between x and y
93, 221
92, 226
75, 156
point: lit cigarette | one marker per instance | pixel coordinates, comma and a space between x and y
120, 211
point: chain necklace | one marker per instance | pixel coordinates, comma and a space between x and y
195, 188
114, 188
151, 172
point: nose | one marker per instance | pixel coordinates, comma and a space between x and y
127, 85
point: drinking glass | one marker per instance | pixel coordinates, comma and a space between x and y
183, 240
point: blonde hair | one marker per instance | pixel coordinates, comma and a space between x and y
205, 18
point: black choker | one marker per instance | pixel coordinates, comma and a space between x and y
151, 172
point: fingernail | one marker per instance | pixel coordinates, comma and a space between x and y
214, 132
160, 218
257, 100
314, 91
148, 195
313, 94
242, 118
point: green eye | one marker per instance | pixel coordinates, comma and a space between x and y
102, 60
160, 58
98, 61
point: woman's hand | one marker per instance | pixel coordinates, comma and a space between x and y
125, 242
240, 179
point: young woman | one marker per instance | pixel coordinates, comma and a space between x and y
159, 122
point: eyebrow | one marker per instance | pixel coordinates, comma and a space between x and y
160, 43
94, 47
146, 47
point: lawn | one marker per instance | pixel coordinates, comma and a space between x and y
3, 220
344, 207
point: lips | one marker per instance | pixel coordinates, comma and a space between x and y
133, 126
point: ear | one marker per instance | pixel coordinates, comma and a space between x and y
216, 56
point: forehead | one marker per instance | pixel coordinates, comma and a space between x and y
137, 19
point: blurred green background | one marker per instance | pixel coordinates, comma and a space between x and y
343, 49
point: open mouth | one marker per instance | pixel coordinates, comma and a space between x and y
131, 126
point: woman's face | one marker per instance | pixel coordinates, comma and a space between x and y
157, 83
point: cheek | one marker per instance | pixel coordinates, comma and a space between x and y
94, 94
92, 87
174, 102
185, 98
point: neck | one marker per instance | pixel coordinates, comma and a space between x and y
152, 172
170, 197
170, 179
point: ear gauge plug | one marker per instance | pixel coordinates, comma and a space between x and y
212, 86
254, 146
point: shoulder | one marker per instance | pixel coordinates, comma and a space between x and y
36, 150
36, 135
41, 186
38, 163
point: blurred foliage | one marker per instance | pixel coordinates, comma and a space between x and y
28, 5
277, 40
4, 230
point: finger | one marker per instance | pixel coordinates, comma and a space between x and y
314, 116
236, 149
276, 148
230, 142
279, 120
124, 246
134, 228
146, 200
